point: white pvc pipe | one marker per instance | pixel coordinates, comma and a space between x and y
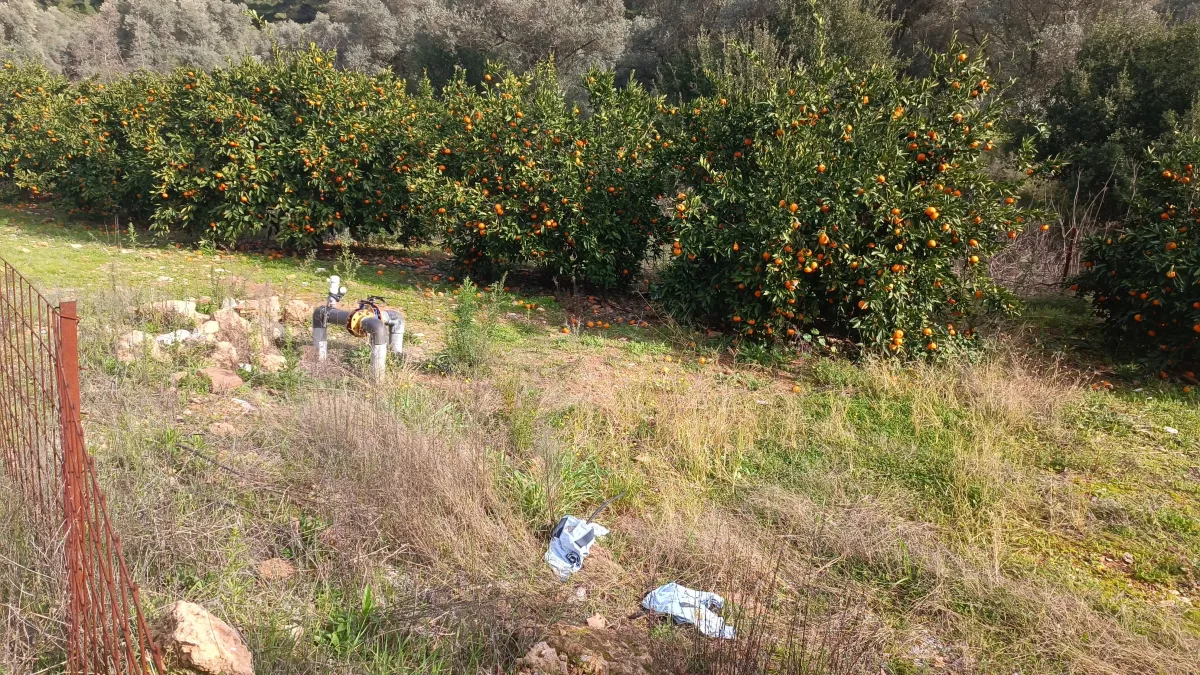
378, 362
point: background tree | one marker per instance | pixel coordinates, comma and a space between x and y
1134, 84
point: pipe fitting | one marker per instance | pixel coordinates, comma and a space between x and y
386, 334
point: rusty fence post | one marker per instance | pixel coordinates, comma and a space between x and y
74, 510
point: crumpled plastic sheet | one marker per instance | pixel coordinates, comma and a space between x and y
688, 605
570, 543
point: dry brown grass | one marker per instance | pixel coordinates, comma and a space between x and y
428, 495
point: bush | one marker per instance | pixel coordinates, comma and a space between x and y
524, 177
1128, 89
36, 110
1144, 278
855, 202
288, 149
470, 337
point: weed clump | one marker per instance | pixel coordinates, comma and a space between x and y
471, 336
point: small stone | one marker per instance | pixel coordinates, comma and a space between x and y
297, 311
597, 622
544, 660
185, 308
1171, 430
580, 595
1127, 558
210, 328
246, 406
225, 355
195, 639
264, 309
233, 327
223, 380
222, 429
272, 363
133, 344
171, 338
176, 378
76, 246
275, 569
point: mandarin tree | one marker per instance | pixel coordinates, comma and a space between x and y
1144, 278
851, 201
36, 126
291, 148
524, 177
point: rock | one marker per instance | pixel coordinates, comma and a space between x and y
614, 651
197, 640
233, 326
222, 429
223, 380
245, 405
134, 344
297, 311
209, 328
225, 355
597, 622
272, 363
171, 338
275, 569
541, 659
264, 309
184, 308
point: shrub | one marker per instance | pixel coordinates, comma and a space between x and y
470, 336
853, 201
291, 149
1144, 278
36, 109
524, 177
288, 149
114, 163
1126, 90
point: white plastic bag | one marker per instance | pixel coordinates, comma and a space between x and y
687, 605
570, 543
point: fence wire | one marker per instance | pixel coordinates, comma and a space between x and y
45, 459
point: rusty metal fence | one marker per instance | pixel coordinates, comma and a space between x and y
45, 460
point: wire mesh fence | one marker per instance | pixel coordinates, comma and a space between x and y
45, 459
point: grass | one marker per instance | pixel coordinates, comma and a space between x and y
995, 516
